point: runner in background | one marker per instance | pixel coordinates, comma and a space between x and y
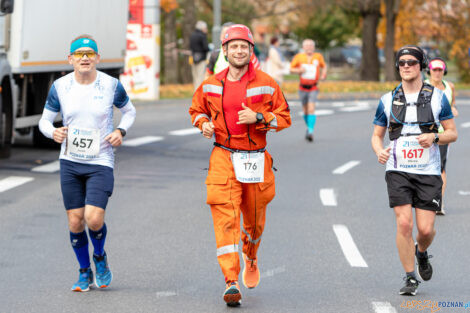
437, 69
311, 68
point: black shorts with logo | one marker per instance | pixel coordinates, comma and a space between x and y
421, 191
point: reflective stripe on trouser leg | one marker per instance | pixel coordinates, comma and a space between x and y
226, 218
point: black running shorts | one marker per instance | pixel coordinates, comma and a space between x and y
443, 149
421, 191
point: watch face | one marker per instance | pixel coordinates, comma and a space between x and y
259, 117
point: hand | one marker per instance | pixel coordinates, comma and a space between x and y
246, 116
115, 138
383, 155
426, 140
208, 129
60, 134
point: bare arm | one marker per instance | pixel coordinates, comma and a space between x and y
450, 132
377, 144
455, 112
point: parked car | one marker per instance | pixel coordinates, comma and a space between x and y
349, 55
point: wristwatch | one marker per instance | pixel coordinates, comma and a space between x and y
259, 117
436, 138
123, 131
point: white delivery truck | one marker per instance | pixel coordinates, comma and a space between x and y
35, 38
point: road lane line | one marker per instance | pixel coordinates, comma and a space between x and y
355, 108
51, 167
464, 193
141, 141
328, 197
13, 181
163, 294
348, 246
383, 307
185, 132
346, 167
337, 104
274, 271
465, 125
320, 112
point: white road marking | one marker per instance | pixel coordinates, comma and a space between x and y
465, 125
13, 181
464, 193
274, 271
338, 104
141, 141
328, 197
320, 112
185, 132
383, 307
293, 103
169, 293
47, 168
346, 167
348, 246
355, 108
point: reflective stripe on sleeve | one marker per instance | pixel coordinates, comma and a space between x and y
273, 123
200, 116
249, 237
212, 89
263, 90
227, 249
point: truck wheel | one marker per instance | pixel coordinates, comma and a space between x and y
6, 130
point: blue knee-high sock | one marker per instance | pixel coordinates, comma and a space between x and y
311, 119
305, 119
98, 238
80, 247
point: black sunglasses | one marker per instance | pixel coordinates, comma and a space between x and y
408, 62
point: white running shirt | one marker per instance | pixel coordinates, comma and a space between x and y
90, 107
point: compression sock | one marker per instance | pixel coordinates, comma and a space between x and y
98, 239
305, 119
311, 119
411, 274
80, 247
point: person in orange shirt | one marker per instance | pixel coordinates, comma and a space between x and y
311, 68
239, 105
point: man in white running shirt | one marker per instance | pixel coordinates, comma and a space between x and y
85, 98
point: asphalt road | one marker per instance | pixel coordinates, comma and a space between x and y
328, 246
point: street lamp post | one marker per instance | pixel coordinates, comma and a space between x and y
217, 21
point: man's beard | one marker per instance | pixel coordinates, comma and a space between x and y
238, 66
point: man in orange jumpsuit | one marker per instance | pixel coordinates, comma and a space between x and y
239, 105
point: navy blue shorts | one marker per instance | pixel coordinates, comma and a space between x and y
85, 184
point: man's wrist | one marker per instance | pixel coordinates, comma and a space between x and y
122, 131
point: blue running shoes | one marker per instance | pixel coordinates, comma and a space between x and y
103, 276
85, 280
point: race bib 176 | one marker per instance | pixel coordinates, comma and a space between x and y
249, 167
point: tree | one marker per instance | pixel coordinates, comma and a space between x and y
329, 26
391, 12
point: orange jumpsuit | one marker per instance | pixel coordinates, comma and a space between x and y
227, 196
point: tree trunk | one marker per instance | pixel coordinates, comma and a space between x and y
370, 66
189, 21
391, 11
170, 48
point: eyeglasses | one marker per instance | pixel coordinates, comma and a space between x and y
80, 54
408, 62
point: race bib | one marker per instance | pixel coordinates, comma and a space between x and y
408, 153
310, 71
249, 167
83, 143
